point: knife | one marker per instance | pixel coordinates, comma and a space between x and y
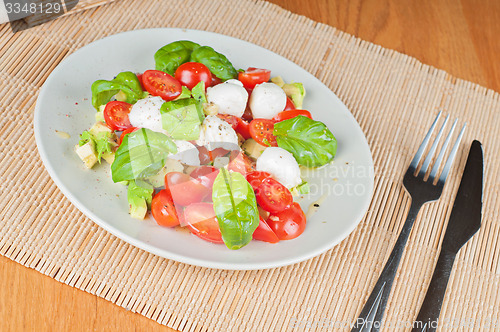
465, 221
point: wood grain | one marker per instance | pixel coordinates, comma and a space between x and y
457, 36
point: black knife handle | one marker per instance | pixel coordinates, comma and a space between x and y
427, 319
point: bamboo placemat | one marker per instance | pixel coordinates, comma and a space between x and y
394, 98
74, 6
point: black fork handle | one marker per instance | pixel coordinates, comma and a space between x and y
371, 316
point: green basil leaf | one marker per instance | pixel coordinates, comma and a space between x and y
172, 55
198, 92
235, 207
182, 118
311, 142
127, 82
141, 154
218, 64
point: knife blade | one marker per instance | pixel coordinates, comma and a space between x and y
464, 222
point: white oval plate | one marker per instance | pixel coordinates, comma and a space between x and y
64, 104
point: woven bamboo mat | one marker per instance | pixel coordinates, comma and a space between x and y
394, 98
74, 5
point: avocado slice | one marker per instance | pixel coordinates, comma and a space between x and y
296, 92
139, 196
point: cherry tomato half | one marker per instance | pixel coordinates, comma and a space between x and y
218, 152
264, 233
125, 132
285, 115
215, 80
184, 189
239, 162
243, 128
204, 155
161, 84
206, 176
261, 131
289, 105
247, 115
256, 178
191, 73
139, 77
163, 209
272, 196
288, 224
231, 119
253, 76
201, 220
202, 171
116, 115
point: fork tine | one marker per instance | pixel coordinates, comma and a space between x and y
434, 145
421, 148
449, 162
439, 159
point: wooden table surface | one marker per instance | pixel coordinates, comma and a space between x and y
459, 36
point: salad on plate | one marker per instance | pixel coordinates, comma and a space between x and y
206, 147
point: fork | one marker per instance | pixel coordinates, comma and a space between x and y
422, 189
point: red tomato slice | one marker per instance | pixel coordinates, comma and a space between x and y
218, 152
231, 119
243, 128
206, 176
191, 73
161, 84
265, 233
288, 224
139, 77
204, 155
239, 162
247, 116
116, 115
289, 105
215, 80
201, 220
256, 178
125, 132
163, 209
272, 196
261, 131
253, 76
203, 171
184, 189
285, 115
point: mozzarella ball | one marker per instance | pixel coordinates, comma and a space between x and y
217, 133
267, 100
230, 96
145, 113
187, 153
281, 165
